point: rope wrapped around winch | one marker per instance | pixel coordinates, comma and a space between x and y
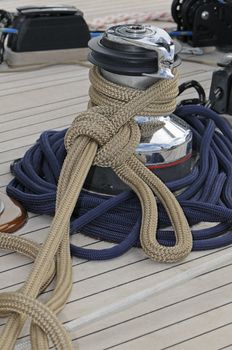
111, 125
106, 135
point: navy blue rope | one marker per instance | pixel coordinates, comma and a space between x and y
206, 193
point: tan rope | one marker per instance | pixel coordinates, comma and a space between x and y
106, 135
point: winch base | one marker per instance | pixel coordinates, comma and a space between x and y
105, 181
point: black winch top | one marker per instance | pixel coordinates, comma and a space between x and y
133, 50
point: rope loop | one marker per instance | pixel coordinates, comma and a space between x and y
93, 124
40, 314
105, 135
110, 122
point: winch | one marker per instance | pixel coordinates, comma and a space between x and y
137, 56
207, 21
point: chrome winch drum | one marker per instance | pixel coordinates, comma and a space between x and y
168, 151
137, 56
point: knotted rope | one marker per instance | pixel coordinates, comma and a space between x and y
111, 125
106, 135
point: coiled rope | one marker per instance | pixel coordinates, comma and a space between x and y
204, 197
105, 135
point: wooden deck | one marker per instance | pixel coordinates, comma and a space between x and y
197, 315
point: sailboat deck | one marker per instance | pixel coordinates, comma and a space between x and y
196, 315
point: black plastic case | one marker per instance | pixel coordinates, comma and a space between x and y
48, 28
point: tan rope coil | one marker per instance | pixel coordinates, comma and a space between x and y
106, 135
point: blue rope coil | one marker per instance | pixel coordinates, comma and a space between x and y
205, 194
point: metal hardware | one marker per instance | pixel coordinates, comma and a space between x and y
205, 15
141, 82
208, 20
169, 144
226, 61
149, 38
220, 97
135, 50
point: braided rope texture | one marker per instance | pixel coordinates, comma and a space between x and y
105, 135
102, 23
